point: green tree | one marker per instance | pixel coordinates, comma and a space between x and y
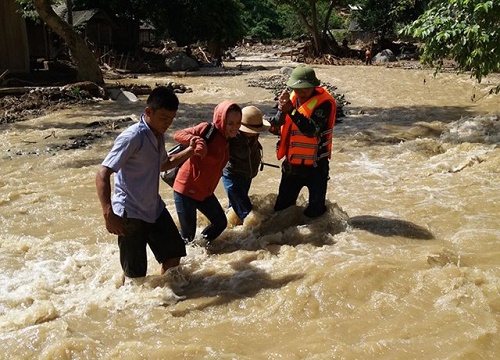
261, 19
385, 16
219, 24
216, 22
315, 18
467, 31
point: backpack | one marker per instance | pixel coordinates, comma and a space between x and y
169, 175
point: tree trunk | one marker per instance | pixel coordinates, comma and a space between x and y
69, 6
328, 42
315, 29
87, 67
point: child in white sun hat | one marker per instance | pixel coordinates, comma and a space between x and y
245, 156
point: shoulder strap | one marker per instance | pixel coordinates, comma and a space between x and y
209, 132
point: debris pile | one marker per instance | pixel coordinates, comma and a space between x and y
176, 87
40, 101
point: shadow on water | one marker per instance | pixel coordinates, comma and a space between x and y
247, 281
390, 227
71, 131
117, 117
290, 227
372, 125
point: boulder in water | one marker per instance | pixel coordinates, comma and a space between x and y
122, 95
179, 61
385, 55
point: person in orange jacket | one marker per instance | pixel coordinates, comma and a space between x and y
198, 177
305, 117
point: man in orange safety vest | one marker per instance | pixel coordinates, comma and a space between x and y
305, 118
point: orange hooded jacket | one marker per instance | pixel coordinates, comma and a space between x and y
198, 177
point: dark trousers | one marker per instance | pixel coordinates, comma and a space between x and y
294, 178
210, 207
162, 237
237, 188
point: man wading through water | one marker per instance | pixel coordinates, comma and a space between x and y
136, 211
305, 119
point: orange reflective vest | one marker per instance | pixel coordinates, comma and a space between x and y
300, 149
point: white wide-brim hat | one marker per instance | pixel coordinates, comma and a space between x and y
252, 120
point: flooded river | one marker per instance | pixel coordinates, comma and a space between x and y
405, 264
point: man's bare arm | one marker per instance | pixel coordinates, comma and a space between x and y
180, 157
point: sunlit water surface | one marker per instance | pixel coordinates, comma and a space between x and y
405, 264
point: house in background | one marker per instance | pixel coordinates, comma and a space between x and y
27, 45
146, 33
94, 25
14, 50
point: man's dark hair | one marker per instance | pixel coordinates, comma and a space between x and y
162, 97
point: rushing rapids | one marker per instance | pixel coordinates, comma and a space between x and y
405, 264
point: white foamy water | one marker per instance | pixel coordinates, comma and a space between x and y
405, 264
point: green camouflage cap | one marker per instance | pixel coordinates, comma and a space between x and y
303, 77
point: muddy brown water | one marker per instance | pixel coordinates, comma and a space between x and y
405, 264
